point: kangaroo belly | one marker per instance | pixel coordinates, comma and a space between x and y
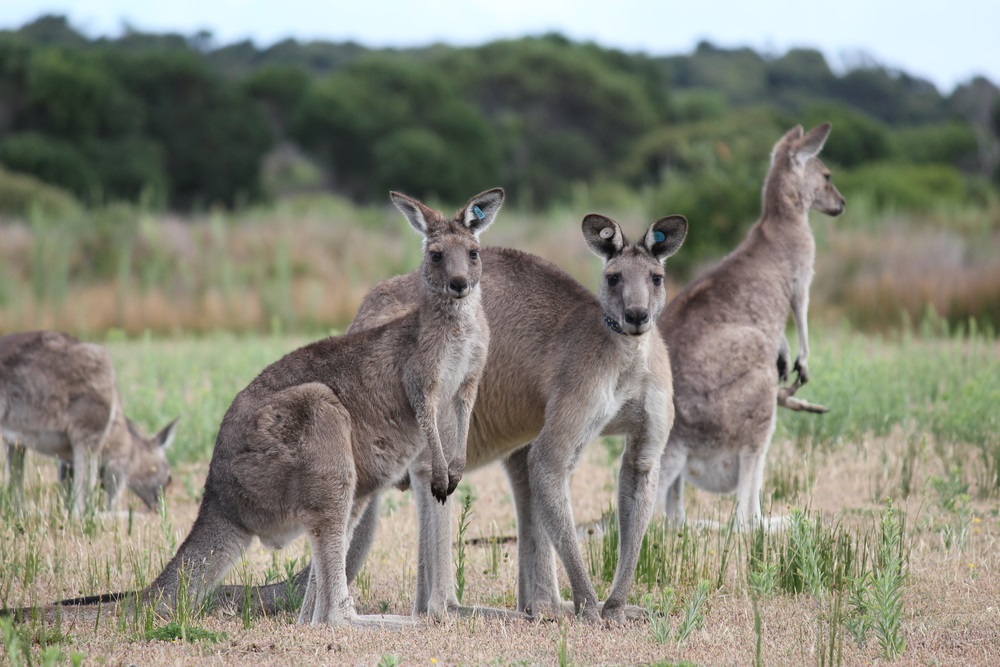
717, 473
49, 443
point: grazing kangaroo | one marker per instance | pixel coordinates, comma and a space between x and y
725, 330
321, 430
58, 396
563, 367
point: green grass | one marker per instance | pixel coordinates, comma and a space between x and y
945, 388
179, 631
193, 379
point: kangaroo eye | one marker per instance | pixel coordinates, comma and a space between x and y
827, 177
614, 279
435, 257
473, 254
657, 279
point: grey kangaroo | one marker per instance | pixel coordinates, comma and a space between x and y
563, 367
58, 397
323, 429
725, 330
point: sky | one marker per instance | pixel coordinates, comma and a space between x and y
946, 42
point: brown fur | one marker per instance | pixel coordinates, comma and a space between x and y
726, 329
58, 397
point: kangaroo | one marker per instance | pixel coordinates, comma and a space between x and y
321, 430
58, 397
725, 330
563, 367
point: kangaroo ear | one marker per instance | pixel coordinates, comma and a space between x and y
810, 145
788, 140
665, 236
481, 210
165, 437
603, 235
414, 211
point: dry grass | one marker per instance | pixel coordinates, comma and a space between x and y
306, 264
951, 596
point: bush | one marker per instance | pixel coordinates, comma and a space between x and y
720, 207
914, 188
951, 143
24, 196
856, 137
52, 160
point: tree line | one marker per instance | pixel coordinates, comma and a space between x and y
175, 121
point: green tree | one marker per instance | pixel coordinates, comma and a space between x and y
381, 110
212, 135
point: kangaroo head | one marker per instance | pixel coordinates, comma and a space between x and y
451, 265
632, 292
798, 174
149, 473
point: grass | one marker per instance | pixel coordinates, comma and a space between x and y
850, 581
271, 268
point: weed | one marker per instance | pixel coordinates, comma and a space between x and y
877, 597
291, 599
246, 580
659, 615
694, 615
602, 552
758, 633
830, 632
11, 641
364, 582
460, 558
174, 631
953, 499
495, 553
886, 586
389, 660
562, 653
692, 618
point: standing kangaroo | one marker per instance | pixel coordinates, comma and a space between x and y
58, 396
563, 367
725, 330
321, 430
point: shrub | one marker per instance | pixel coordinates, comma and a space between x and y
51, 160
24, 196
915, 188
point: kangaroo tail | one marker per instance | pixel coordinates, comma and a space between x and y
786, 399
96, 599
210, 550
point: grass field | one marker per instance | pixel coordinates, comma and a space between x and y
891, 554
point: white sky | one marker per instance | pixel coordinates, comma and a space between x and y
946, 42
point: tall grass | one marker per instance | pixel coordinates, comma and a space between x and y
304, 263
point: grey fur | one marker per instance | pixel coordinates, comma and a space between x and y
556, 377
321, 430
726, 329
58, 397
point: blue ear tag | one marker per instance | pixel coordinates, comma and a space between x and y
479, 212
659, 237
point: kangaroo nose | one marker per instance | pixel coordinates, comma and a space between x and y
636, 316
458, 285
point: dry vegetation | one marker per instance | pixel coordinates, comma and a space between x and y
296, 265
940, 477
